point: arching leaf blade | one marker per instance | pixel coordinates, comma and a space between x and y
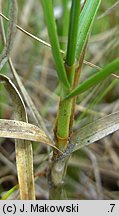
96, 78
95, 131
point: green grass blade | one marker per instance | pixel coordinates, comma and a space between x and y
10, 192
96, 78
86, 20
65, 22
52, 32
72, 34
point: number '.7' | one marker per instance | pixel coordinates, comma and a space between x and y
112, 207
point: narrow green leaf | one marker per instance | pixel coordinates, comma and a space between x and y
95, 131
96, 78
85, 23
72, 34
51, 26
65, 22
10, 192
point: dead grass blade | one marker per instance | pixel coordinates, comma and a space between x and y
22, 130
95, 131
24, 155
109, 10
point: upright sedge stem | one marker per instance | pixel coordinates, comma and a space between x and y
65, 107
66, 76
62, 130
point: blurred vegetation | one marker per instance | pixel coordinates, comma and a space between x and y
93, 172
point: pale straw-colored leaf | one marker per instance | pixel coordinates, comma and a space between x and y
24, 155
95, 131
22, 130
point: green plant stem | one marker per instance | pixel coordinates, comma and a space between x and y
57, 173
58, 167
58, 193
65, 107
63, 124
